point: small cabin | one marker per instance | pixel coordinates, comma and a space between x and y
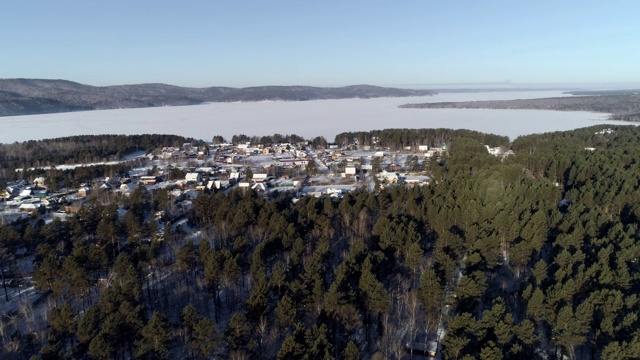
148, 180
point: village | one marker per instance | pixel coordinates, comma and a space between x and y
269, 170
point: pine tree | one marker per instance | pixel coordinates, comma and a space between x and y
155, 339
376, 297
205, 339
351, 351
318, 346
285, 312
238, 332
88, 327
258, 302
61, 320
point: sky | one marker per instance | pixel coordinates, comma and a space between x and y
321, 43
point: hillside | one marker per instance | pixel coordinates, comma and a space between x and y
530, 256
36, 96
622, 106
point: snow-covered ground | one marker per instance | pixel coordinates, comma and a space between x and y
305, 118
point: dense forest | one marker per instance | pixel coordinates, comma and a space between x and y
530, 256
622, 105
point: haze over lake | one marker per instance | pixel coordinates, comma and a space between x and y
305, 118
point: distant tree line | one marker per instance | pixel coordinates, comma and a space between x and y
81, 149
266, 139
397, 139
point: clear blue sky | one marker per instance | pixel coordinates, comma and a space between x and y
321, 43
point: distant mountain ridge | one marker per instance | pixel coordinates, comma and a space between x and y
40, 96
622, 105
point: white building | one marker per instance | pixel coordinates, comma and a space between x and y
195, 177
259, 177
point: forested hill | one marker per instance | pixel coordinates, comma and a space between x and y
622, 106
36, 96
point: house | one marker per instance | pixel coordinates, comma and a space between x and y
31, 207
423, 147
495, 151
14, 190
388, 177
203, 170
431, 153
350, 171
259, 177
112, 180
40, 192
193, 176
84, 191
334, 192
39, 181
73, 208
294, 162
176, 194
222, 184
288, 184
128, 187
26, 192
191, 194
60, 214
148, 180
259, 186
4, 194
604, 131
417, 180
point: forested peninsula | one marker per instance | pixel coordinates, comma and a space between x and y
622, 105
530, 255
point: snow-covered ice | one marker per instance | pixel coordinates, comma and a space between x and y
305, 118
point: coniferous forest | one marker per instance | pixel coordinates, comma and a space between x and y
532, 256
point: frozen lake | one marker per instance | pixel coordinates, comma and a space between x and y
305, 118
